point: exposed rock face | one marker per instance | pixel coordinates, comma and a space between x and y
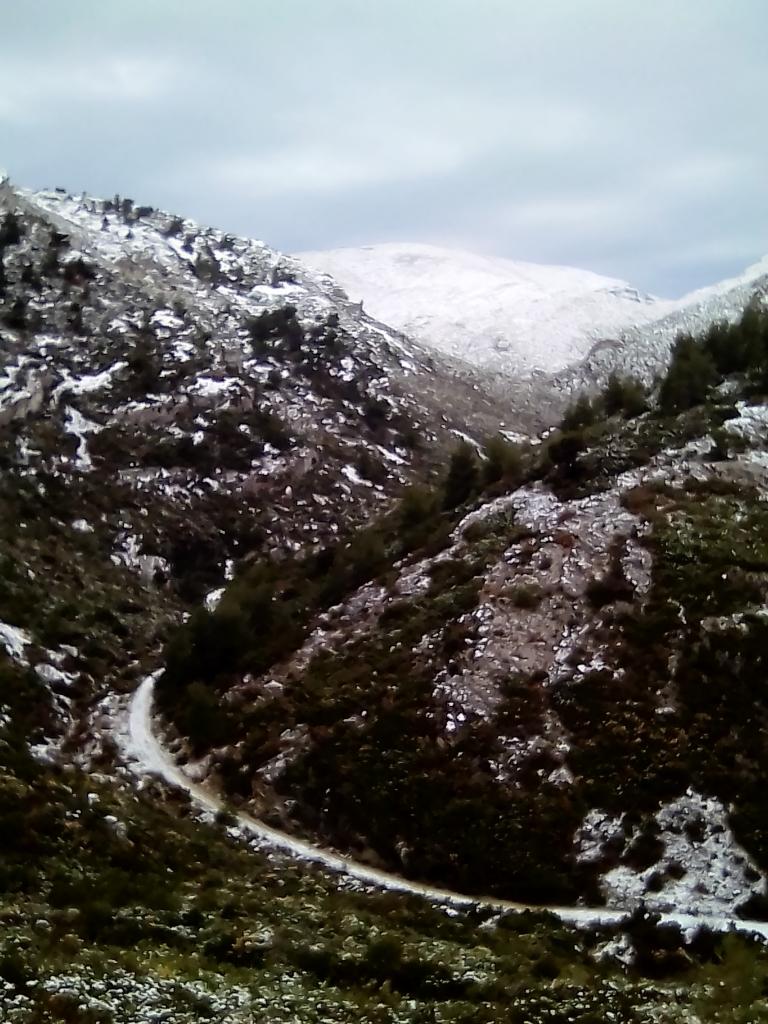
117, 332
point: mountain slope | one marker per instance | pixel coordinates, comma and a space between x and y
193, 427
643, 350
189, 368
519, 319
545, 700
174, 403
506, 315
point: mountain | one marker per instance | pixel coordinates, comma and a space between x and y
300, 681
184, 368
525, 318
643, 350
509, 316
544, 699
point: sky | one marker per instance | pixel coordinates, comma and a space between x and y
625, 138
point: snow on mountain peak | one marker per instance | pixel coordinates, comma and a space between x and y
500, 313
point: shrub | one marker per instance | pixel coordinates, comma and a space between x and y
10, 230
691, 375
625, 395
527, 595
418, 505
462, 477
610, 588
174, 227
503, 462
274, 326
581, 413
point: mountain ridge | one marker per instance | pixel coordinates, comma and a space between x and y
379, 628
514, 317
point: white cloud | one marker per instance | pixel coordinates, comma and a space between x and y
327, 168
570, 213
701, 173
373, 137
37, 87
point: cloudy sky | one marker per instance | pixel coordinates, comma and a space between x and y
627, 138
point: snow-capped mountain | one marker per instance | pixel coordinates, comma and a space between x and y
506, 315
643, 350
518, 318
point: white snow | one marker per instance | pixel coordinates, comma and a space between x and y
213, 597
211, 386
519, 318
751, 424
75, 423
354, 477
51, 675
490, 311
716, 873
88, 382
15, 640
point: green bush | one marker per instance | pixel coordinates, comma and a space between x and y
462, 478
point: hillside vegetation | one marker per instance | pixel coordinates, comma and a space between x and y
528, 668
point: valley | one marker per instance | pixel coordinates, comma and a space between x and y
352, 676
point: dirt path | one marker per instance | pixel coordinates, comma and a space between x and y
142, 746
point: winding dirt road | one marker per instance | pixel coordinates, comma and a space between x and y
143, 746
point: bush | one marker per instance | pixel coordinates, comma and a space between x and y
610, 588
503, 462
461, 480
580, 414
174, 227
274, 326
625, 395
527, 595
691, 375
10, 230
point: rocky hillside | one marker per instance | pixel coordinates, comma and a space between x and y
205, 380
644, 350
557, 698
213, 464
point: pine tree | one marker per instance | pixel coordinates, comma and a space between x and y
10, 230
582, 413
502, 461
462, 477
624, 395
417, 505
689, 378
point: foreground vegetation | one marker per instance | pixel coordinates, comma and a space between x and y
377, 773
120, 907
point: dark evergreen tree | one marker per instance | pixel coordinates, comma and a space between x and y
625, 395
502, 461
417, 505
581, 413
16, 316
691, 375
10, 230
462, 477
